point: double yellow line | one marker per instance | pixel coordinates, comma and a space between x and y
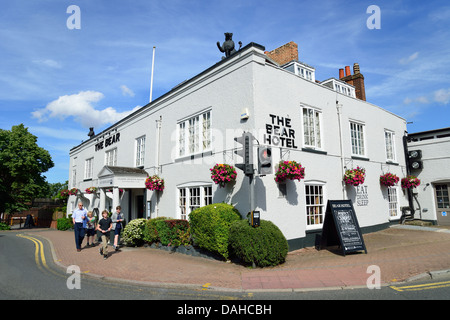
39, 255
426, 286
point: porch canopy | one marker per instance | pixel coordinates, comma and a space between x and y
116, 178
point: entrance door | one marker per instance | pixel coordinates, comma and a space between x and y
140, 206
442, 204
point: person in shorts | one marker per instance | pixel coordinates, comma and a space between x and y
117, 219
104, 227
90, 229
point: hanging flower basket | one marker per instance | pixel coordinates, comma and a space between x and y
154, 183
291, 170
64, 194
91, 190
222, 174
73, 191
355, 177
410, 182
389, 179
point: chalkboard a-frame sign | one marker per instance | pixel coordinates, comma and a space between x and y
341, 227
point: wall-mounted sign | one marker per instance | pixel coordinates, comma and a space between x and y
362, 196
279, 132
108, 141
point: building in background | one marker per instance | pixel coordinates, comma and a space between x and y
431, 151
327, 126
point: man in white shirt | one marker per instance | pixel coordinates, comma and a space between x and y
79, 224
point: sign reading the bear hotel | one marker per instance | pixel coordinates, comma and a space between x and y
107, 142
279, 132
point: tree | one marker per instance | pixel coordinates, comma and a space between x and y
22, 163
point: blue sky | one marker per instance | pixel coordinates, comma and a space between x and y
59, 81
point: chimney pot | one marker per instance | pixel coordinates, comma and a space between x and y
341, 73
356, 69
347, 71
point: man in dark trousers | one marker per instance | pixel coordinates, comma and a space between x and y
79, 224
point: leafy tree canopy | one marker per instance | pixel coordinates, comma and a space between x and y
22, 163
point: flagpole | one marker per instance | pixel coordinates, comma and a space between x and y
153, 67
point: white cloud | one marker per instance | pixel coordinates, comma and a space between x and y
49, 63
442, 96
421, 100
409, 59
80, 108
126, 91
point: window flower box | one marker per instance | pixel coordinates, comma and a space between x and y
355, 177
410, 182
289, 170
389, 179
222, 174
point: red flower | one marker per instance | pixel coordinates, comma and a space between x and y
289, 170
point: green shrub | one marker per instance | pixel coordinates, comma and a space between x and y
173, 232
64, 224
150, 232
4, 226
133, 233
264, 245
210, 226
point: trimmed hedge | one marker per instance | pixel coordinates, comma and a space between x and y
264, 245
173, 232
64, 224
170, 232
210, 226
150, 232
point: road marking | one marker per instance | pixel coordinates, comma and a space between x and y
419, 287
39, 255
205, 286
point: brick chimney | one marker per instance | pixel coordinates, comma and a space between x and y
356, 80
284, 54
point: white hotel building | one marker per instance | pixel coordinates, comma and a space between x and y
326, 126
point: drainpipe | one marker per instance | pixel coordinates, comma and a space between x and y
339, 113
158, 164
408, 172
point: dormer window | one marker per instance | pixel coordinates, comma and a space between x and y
305, 72
301, 69
340, 86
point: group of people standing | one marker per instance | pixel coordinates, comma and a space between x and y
85, 224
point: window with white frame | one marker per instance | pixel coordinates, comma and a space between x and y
111, 157
389, 137
357, 137
140, 151
181, 138
305, 73
191, 198
74, 178
194, 134
315, 205
311, 128
89, 168
393, 202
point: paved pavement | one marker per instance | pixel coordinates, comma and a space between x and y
401, 252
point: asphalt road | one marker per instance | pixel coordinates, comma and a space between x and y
29, 273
